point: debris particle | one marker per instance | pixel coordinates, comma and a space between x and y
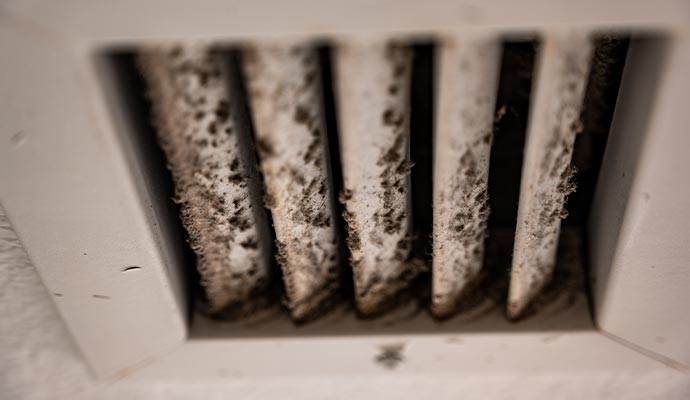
390, 356
18, 138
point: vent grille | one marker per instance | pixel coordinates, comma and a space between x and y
322, 157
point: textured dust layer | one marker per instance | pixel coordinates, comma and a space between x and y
468, 86
203, 134
373, 87
547, 173
285, 90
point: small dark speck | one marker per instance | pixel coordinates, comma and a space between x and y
301, 115
57, 294
131, 268
100, 296
84, 253
390, 355
176, 51
549, 339
18, 138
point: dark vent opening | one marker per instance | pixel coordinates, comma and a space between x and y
505, 167
421, 154
597, 113
270, 299
325, 60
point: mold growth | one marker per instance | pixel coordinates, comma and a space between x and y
464, 233
567, 282
547, 174
286, 97
205, 137
468, 85
374, 87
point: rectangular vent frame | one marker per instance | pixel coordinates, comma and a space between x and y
71, 186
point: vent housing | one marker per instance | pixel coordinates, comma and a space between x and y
90, 196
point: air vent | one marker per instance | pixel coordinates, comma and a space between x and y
380, 174
229, 187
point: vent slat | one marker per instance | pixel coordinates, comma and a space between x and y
468, 83
286, 98
205, 138
373, 82
563, 68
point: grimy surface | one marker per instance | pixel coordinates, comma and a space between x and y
206, 140
563, 68
468, 84
373, 86
285, 91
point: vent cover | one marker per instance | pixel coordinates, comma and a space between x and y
86, 184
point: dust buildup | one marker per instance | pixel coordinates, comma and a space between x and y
215, 181
470, 70
468, 227
567, 283
291, 140
550, 181
376, 204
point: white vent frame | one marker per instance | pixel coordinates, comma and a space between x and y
82, 212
